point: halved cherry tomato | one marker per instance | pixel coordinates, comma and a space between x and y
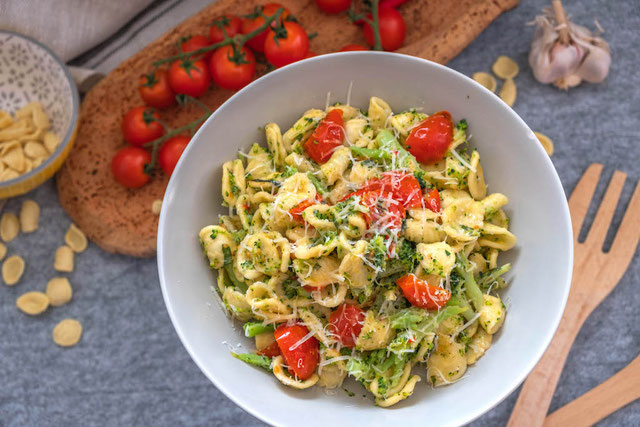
270, 351
189, 77
301, 357
127, 166
229, 24
171, 151
353, 48
290, 46
296, 211
433, 200
229, 74
346, 322
255, 21
385, 213
196, 42
155, 90
392, 28
421, 294
404, 187
310, 54
328, 136
333, 6
141, 125
430, 140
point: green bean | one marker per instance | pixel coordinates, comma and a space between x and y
254, 359
228, 268
251, 329
322, 189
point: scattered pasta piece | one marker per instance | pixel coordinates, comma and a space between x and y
505, 68
156, 207
508, 92
67, 333
33, 303
486, 80
76, 239
547, 144
12, 269
3, 250
29, 216
9, 226
59, 291
64, 259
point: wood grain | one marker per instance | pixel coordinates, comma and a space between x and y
595, 274
120, 220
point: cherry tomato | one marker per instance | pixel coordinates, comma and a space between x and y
430, 140
254, 21
170, 152
194, 43
353, 48
140, 125
230, 75
229, 24
392, 28
404, 188
346, 322
302, 358
333, 6
310, 54
421, 294
291, 47
270, 351
433, 200
128, 165
326, 137
385, 213
296, 211
155, 90
189, 77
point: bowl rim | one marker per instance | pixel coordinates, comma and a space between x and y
75, 102
514, 383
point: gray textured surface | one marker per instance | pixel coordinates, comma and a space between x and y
131, 369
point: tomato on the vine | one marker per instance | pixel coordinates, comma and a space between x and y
255, 20
189, 77
333, 6
392, 28
170, 152
229, 24
430, 140
128, 165
155, 90
141, 125
326, 137
352, 48
287, 44
346, 323
301, 357
229, 74
193, 43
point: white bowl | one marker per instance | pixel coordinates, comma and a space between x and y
514, 164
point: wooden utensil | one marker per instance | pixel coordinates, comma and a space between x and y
616, 392
595, 274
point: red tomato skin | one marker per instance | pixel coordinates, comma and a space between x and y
160, 94
271, 351
229, 75
136, 131
194, 43
346, 322
248, 25
302, 360
232, 26
392, 29
294, 47
433, 200
404, 187
170, 152
421, 294
353, 48
296, 211
327, 136
127, 166
430, 140
333, 7
195, 83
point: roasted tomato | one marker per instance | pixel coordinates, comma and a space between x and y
301, 356
328, 136
421, 294
346, 323
430, 140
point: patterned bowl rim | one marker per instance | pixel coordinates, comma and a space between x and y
75, 101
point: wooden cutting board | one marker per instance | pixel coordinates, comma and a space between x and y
120, 220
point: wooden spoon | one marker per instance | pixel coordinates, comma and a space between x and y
616, 392
595, 274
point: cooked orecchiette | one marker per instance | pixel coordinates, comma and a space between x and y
447, 362
492, 314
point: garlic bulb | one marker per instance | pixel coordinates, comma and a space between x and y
564, 53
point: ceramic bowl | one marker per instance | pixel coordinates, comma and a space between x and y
29, 71
514, 163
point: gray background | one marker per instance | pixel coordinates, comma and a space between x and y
130, 367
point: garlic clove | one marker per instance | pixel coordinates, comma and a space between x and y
595, 66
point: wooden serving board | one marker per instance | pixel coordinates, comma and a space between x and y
120, 220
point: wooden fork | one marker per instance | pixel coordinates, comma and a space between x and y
595, 274
616, 392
